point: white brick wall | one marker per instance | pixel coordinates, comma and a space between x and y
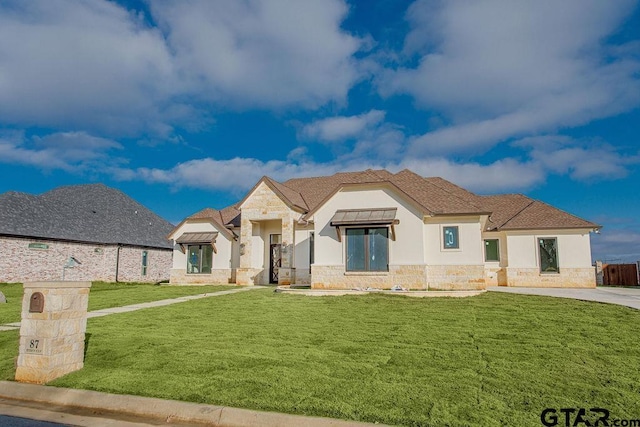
19, 263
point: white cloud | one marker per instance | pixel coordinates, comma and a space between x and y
82, 64
581, 160
267, 54
506, 175
69, 151
240, 174
499, 70
235, 175
93, 65
335, 129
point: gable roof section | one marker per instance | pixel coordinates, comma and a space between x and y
316, 190
433, 195
519, 212
289, 196
92, 213
222, 219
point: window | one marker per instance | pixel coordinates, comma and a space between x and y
548, 248
199, 259
145, 262
367, 249
450, 237
312, 255
491, 250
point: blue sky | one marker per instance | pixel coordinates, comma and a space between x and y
186, 104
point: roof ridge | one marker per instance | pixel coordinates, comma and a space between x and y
453, 194
407, 173
531, 201
278, 184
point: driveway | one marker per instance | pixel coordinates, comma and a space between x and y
629, 297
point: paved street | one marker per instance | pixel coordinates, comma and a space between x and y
7, 421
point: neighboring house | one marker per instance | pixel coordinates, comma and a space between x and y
81, 232
378, 229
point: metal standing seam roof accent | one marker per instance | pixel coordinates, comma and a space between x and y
364, 216
197, 237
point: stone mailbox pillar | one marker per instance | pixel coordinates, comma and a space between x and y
52, 330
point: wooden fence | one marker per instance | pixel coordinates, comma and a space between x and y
620, 275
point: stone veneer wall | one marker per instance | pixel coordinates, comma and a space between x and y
335, 277
217, 276
59, 331
456, 277
302, 276
567, 278
248, 276
495, 276
448, 277
264, 205
19, 263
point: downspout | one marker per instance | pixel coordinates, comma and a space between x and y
117, 261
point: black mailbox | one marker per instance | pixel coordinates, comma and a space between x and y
36, 303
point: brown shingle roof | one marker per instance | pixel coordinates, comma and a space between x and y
434, 195
230, 216
459, 192
315, 190
518, 212
206, 213
504, 207
434, 198
293, 197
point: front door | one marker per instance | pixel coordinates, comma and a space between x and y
275, 256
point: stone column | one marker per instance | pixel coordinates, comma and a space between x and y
244, 273
285, 275
52, 330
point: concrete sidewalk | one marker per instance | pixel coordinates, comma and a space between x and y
628, 297
140, 306
156, 411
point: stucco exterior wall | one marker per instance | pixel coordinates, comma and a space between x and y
19, 263
221, 267
495, 271
470, 251
574, 259
301, 255
406, 249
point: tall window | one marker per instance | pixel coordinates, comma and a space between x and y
145, 262
491, 250
367, 249
548, 248
199, 259
450, 237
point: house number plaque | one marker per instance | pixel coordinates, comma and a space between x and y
35, 346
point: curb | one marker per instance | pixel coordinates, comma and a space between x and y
167, 410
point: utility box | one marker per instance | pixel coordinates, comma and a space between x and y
52, 330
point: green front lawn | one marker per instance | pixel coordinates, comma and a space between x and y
10, 311
492, 360
107, 295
